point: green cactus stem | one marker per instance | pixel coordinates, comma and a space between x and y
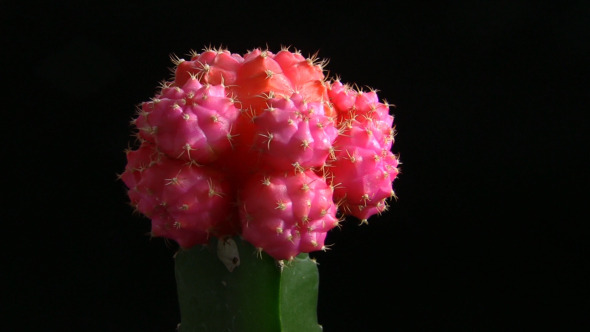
258, 295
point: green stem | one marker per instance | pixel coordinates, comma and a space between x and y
258, 295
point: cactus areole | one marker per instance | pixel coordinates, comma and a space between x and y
261, 146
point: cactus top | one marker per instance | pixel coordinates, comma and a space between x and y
261, 145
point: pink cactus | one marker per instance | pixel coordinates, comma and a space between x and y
286, 214
364, 166
259, 145
185, 202
193, 122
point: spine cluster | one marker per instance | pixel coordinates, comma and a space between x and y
259, 145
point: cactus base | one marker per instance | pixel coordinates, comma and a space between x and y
258, 295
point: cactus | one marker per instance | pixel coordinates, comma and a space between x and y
247, 162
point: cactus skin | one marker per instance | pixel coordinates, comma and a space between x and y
293, 133
258, 296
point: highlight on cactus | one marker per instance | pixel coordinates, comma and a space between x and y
247, 162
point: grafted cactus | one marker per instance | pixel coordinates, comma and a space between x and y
247, 162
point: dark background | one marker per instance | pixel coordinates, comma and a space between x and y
486, 235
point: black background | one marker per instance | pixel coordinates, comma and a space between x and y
486, 234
